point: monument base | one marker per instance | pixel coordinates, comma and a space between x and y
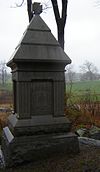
37, 125
17, 150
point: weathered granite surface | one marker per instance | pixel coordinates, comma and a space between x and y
38, 125
32, 148
38, 128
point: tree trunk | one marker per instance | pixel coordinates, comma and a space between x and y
60, 20
60, 26
30, 13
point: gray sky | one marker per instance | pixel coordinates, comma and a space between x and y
82, 32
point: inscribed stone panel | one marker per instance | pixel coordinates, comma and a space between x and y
41, 97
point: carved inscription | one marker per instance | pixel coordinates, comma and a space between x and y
41, 97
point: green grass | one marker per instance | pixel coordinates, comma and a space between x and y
7, 86
79, 87
84, 90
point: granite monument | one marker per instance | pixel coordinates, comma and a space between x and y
38, 128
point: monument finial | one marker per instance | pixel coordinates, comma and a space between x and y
37, 8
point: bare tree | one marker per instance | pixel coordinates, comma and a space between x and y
89, 71
60, 20
30, 13
69, 76
3, 72
97, 3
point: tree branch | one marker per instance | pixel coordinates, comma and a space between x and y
56, 10
19, 5
64, 10
30, 13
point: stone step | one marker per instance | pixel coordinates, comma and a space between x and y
32, 148
39, 125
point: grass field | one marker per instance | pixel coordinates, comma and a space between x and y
79, 87
7, 86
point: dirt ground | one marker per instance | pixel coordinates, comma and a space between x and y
88, 160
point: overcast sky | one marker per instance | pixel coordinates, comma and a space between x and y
82, 32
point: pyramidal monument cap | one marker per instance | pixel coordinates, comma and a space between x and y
39, 44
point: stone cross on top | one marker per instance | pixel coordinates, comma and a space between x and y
36, 8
